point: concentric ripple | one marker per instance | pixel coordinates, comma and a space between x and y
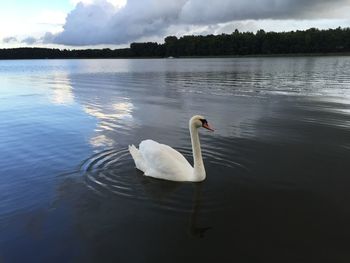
113, 172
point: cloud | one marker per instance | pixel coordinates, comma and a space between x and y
29, 40
101, 22
199, 12
9, 40
87, 24
116, 3
47, 38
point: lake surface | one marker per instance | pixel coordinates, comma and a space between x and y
277, 187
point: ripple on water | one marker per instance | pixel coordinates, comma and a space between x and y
113, 172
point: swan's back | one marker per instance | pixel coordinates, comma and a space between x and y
161, 161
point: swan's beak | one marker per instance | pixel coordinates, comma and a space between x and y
208, 127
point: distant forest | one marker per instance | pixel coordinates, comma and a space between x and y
311, 41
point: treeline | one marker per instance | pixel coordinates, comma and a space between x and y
261, 43
310, 41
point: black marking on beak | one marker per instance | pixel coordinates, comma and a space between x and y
204, 121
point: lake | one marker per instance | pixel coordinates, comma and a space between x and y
277, 186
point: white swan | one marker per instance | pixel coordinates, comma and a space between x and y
163, 162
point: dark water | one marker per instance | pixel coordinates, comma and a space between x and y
277, 187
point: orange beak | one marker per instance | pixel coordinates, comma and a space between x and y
208, 127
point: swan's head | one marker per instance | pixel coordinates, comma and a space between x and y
199, 121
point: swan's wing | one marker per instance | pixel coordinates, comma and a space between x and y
174, 153
162, 161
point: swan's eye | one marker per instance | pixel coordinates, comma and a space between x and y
204, 121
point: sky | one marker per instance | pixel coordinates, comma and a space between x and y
117, 23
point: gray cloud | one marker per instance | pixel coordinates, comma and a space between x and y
101, 23
195, 12
47, 38
9, 39
29, 40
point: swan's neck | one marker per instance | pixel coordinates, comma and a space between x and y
198, 165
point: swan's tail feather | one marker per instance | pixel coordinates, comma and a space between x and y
138, 159
133, 151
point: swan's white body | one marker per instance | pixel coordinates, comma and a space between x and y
163, 162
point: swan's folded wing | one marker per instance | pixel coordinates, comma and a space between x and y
162, 161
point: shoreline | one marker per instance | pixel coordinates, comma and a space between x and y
275, 55
333, 54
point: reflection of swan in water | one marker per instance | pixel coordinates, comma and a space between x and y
163, 162
161, 192
196, 230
